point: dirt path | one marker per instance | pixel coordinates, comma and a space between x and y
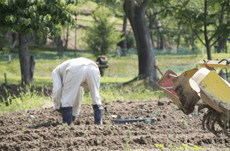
84, 135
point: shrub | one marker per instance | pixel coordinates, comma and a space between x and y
102, 36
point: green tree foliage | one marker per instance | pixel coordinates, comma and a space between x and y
36, 18
204, 17
130, 40
4, 41
39, 17
102, 36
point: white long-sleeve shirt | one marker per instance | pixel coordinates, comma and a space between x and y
59, 73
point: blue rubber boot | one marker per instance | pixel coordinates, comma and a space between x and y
97, 114
67, 114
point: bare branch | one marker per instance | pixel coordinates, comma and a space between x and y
147, 14
213, 36
215, 41
138, 1
228, 23
192, 26
205, 22
146, 3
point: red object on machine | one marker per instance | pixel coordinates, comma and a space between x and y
166, 81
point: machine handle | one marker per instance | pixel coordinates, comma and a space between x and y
228, 61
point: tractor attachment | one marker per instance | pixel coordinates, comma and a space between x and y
177, 88
205, 84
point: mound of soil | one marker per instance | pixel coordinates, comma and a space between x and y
42, 130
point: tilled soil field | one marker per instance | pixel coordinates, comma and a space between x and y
42, 130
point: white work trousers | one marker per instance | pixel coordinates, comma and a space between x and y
72, 90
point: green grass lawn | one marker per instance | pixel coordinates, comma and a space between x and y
42, 81
117, 66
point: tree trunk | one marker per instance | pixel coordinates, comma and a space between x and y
45, 39
123, 43
151, 18
161, 40
4, 32
67, 38
75, 47
24, 59
0, 45
159, 37
59, 45
221, 43
207, 41
14, 34
192, 39
178, 40
208, 47
136, 15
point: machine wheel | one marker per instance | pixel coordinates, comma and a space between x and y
217, 125
226, 127
205, 120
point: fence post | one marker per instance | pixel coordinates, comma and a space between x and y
10, 57
5, 78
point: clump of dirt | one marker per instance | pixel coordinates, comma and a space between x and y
42, 130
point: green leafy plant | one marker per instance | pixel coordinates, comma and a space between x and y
195, 148
23, 129
127, 146
41, 139
86, 133
161, 146
24, 115
147, 128
138, 108
107, 122
129, 133
64, 126
30, 121
176, 107
148, 121
175, 131
25, 100
185, 123
104, 29
174, 148
156, 113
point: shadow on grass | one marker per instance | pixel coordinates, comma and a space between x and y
17, 89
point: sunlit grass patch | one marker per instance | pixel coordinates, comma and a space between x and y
26, 100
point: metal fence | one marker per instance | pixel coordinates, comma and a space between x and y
157, 52
177, 69
114, 53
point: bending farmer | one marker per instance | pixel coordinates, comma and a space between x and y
68, 79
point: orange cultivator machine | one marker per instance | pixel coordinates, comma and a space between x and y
188, 88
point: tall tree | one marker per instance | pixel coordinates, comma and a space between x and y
135, 11
103, 28
2, 38
201, 19
123, 43
34, 17
222, 41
